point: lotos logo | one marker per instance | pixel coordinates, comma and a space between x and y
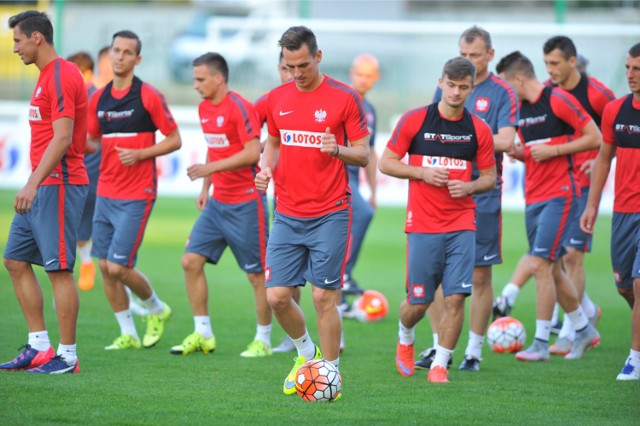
444, 162
34, 113
301, 139
216, 140
482, 104
320, 115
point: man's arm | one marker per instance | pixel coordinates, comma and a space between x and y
371, 171
270, 158
356, 154
62, 139
599, 176
391, 164
249, 155
503, 140
93, 143
485, 182
170, 143
590, 139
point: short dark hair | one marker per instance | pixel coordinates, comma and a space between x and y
215, 62
83, 60
32, 20
563, 43
516, 62
634, 52
459, 68
470, 34
295, 37
103, 51
130, 35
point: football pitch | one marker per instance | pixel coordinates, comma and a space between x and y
151, 386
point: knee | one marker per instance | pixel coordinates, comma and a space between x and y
481, 278
325, 300
626, 293
256, 280
539, 266
573, 258
14, 266
116, 270
277, 300
192, 262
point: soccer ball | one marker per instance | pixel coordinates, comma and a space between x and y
370, 306
318, 381
506, 335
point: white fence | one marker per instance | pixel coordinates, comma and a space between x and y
15, 166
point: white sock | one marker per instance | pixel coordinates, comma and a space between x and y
335, 363
510, 291
263, 333
543, 330
68, 353
442, 356
154, 304
588, 306
406, 336
85, 252
39, 340
567, 329
305, 346
125, 321
578, 319
202, 326
474, 347
554, 315
435, 339
635, 358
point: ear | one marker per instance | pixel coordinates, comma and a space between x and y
492, 52
138, 59
319, 56
37, 38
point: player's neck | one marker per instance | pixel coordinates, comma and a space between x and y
533, 89
122, 82
316, 83
449, 112
219, 96
481, 77
572, 81
46, 55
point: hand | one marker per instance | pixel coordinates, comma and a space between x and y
128, 157
543, 152
588, 219
24, 199
263, 178
587, 167
202, 200
458, 188
329, 144
435, 176
197, 171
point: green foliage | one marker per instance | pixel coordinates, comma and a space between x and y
150, 386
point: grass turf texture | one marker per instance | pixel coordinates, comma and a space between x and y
151, 386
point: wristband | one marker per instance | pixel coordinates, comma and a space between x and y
337, 151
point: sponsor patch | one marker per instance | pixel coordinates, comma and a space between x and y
444, 162
34, 113
216, 140
301, 138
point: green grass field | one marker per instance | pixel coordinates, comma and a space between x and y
150, 386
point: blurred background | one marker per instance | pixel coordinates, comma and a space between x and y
411, 38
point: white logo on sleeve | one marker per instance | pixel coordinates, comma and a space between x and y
444, 162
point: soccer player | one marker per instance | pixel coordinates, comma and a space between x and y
364, 75
621, 135
560, 57
124, 116
443, 140
316, 127
84, 61
236, 214
49, 205
286, 345
553, 126
495, 101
